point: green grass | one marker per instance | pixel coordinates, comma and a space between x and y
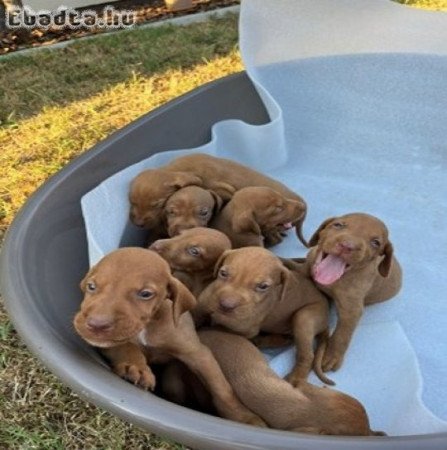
54, 105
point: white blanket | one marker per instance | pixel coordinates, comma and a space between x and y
357, 95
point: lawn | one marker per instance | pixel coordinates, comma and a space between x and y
55, 105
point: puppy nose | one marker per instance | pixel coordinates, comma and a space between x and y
346, 246
99, 323
228, 304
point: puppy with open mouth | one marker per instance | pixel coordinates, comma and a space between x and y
351, 260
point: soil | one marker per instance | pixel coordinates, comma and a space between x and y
148, 11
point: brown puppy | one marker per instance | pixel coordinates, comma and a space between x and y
137, 311
190, 207
192, 255
150, 190
352, 261
255, 292
306, 409
257, 216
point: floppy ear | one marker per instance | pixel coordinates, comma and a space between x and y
181, 297
244, 221
218, 202
182, 179
220, 262
83, 283
316, 236
285, 277
299, 231
385, 264
224, 190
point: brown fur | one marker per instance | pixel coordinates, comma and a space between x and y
150, 190
255, 292
190, 207
256, 216
132, 300
374, 275
305, 409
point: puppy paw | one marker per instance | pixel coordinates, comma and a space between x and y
141, 376
332, 360
296, 378
273, 237
256, 421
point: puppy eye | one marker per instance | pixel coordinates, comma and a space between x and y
170, 212
203, 212
193, 251
223, 273
262, 287
375, 243
145, 294
338, 225
279, 208
91, 286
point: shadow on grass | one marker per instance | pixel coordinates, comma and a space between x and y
31, 82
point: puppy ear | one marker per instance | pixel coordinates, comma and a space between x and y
181, 297
285, 278
316, 236
218, 202
83, 283
224, 190
182, 179
385, 264
220, 262
244, 221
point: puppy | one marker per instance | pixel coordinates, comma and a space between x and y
256, 216
190, 207
255, 292
352, 261
192, 255
305, 409
136, 311
150, 190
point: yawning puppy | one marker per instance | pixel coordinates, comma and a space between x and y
190, 207
352, 260
258, 216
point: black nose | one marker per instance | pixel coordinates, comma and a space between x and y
99, 323
228, 304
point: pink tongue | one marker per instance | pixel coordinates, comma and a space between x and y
329, 270
287, 225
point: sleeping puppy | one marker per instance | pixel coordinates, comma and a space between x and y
352, 261
258, 216
190, 207
148, 194
253, 292
137, 312
150, 190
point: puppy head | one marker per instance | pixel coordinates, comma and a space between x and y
249, 282
190, 207
347, 243
149, 192
193, 250
123, 292
259, 209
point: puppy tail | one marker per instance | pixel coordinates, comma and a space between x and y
318, 360
299, 232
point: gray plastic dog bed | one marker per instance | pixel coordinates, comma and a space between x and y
45, 256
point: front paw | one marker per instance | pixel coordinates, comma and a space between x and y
141, 376
332, 359
296, 377
273, 237
256, 421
